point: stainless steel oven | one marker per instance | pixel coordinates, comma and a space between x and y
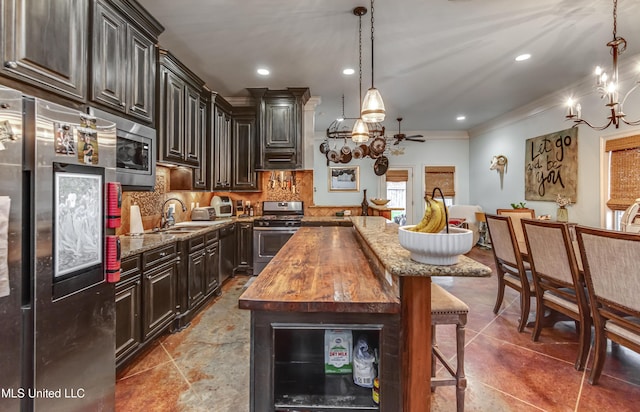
271, 231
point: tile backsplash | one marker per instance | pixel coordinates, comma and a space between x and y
275, 186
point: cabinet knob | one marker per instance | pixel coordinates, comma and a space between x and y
163, 254
10, 64
123, 104
4, 105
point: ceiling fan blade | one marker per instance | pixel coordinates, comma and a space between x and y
414, 135
415, 139
396, 142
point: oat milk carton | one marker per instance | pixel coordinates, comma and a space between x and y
338, 344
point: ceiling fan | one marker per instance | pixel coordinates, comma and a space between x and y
401, 136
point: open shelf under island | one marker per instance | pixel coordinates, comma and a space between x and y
354, 278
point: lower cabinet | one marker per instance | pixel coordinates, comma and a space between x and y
128, 326
159, 288
145, 299
163, 289
245, 247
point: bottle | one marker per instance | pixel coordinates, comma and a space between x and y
365, 204
376, 391
250, 210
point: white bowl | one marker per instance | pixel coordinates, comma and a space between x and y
436, 248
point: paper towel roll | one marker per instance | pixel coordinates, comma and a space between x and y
135, 220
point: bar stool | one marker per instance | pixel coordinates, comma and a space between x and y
447, 309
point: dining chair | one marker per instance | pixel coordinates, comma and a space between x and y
610, 261
511, 270
557, 281
516, 216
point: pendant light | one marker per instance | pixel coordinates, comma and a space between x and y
372, 107
360, 132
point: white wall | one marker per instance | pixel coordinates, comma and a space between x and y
507, 135
440, 149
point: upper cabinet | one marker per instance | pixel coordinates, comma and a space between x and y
200, 181
123, 70
180, 133
221, 148
279, 127
243, 150
44, 43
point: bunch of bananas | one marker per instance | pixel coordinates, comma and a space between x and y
434, 219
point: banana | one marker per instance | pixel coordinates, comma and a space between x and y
426, 218
434, 222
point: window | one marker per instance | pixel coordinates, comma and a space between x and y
398, 192
624, 180
442, 177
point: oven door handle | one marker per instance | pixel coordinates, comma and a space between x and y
275, 229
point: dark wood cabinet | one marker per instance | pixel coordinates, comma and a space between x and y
243, 150
245, 247
179, 131
128, 309
159, 281
221, 136
44, 43
279, 127
123, 68
196, 263
200, 180
212, 268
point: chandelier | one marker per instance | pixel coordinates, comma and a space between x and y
360, 132
372, 107
607, 86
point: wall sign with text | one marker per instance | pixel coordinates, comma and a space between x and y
551, 166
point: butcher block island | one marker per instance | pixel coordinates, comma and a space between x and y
355, 283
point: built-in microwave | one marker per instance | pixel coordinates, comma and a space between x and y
135, 152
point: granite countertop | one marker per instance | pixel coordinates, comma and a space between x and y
330, 219
382, 238
133, 245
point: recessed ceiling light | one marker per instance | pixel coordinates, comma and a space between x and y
523, 57
461, 118
348, 72
263, 72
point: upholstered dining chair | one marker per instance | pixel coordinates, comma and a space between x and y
516, 216
511, 270
610, 262
557, 281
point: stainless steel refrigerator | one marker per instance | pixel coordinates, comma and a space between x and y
57, 312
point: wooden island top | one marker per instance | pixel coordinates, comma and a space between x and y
360, 270
320, 269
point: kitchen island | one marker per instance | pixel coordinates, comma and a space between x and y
356, 278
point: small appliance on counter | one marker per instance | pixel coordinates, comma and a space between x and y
204, 213
222, 205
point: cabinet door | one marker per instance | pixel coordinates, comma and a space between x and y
44, 43
212, 268
200, 173
196, 271
159, 289
245, 246
109, 64
172, 114
193, 137
141, 77
243, 173
128, 324
222, 150
280, 123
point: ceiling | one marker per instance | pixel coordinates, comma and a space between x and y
434, 59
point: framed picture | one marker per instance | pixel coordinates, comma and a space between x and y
344, 179
78, 219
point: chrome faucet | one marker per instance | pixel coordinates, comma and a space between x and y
167, 220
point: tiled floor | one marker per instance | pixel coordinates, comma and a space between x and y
206, 366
